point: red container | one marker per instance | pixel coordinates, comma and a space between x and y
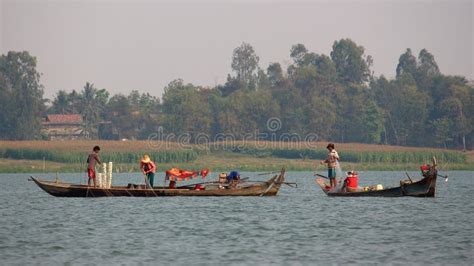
425, 167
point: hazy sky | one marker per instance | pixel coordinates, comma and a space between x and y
125, 45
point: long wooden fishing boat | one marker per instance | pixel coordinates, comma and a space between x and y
62, 189
426, 187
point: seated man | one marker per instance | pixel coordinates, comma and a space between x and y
222, 180
351, 182
233, 178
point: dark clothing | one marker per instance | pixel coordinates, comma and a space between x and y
233, 175
332, 172
172, 184
150, 177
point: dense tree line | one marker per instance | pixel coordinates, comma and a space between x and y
335, 96
21, 97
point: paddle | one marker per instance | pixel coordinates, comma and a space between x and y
321, 176
339, 181
268, 173
209, 182
445, 177
411, 181
290, 184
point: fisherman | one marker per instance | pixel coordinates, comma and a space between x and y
331, 162
222, 180
91, 160
233, 178
172, 184
351, 182
148, 168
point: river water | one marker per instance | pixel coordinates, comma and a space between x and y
299, 226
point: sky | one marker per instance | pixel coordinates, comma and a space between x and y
143, 45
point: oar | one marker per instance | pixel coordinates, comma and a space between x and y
411, 181
445, 177
268, 173
321, 176
290, 184
209, 182
202, 183
285, 183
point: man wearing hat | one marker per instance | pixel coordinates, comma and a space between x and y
148, 168
222, 180
331, 162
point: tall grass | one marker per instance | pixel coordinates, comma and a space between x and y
358, 157
178, 156
170, 152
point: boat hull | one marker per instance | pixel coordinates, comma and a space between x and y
61, 189
425, 187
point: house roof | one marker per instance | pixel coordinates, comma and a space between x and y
64, 119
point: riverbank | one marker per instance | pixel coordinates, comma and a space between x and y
62, 156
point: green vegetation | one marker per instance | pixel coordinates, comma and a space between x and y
178, 156
71, 156
359, 157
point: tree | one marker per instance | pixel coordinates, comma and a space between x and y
22, 96
452, 100
441, 131
232, 85
372, 122
320, 117
120, 114
407, 101
427, 64
351, 64
62, 104
427, 70
186, 110
275, 74
6, 106
325, 67
407, 64
92, 104
302, 57
406, 110
305, 78
245, 63
298, 53
146, 111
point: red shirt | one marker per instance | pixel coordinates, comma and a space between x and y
352, 182
150, 167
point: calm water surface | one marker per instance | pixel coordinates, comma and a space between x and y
299, 226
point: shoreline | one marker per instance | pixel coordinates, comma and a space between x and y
35, 166
252, 156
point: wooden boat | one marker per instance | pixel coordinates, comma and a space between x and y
426, 187
61, 189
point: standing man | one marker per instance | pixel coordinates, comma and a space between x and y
91, 160
331, 162
148, 168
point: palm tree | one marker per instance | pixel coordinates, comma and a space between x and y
91, 107
62, 103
